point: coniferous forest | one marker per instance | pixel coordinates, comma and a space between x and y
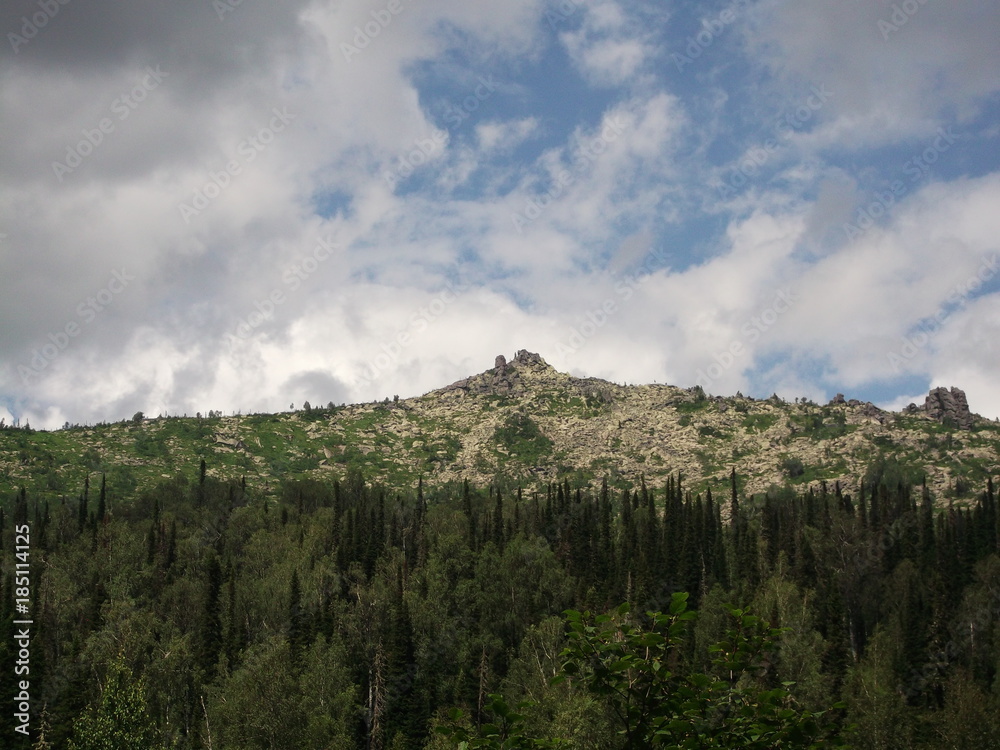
208, 614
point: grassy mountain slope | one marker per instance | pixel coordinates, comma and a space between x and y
525, 421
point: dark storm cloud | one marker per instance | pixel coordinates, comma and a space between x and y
172, 68
84, 37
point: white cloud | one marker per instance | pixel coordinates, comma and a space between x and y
505, 135
609, 48
888, 84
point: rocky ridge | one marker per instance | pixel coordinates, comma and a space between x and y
524, 420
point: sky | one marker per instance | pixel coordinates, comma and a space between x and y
240, 206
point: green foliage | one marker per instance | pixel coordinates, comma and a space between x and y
266, 703
700, 403
888, 471
882, 719
504, 732
657, 706
759, 422
635, 670
120, 720
825, 423
522, 438
792, 467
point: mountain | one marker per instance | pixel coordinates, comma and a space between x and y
524, 421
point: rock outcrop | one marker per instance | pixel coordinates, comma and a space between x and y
869, 410
505, 379
524, 357
949, 407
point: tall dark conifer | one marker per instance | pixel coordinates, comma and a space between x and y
201, 483
469, 515
498, 520
298, 635
734, 500
102, 507
235, 640
210, 630
84, 511
171, 557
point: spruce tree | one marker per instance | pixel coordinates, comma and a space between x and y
498, 520
210, 629
171, 557
102, 508
201, 483
84, 501
298, 635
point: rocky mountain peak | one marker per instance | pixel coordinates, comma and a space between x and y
504, 379
524, 357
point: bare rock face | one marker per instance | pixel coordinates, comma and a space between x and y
504, 379
524, 357
868, 409
949, 407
